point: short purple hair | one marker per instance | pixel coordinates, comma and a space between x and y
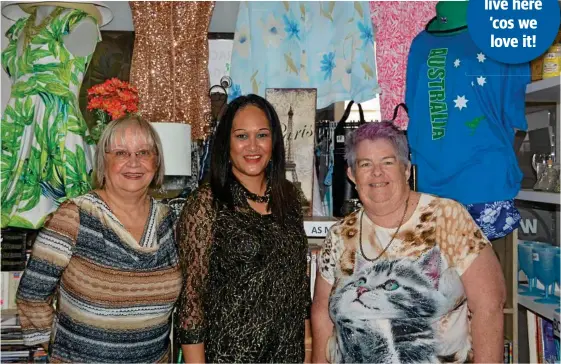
373, 131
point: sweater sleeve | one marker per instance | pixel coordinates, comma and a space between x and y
51, 254
194, 239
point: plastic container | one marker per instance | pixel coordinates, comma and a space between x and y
552, 62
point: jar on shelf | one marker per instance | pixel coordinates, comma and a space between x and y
552, 61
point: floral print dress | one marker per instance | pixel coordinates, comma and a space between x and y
299, 44
46, 148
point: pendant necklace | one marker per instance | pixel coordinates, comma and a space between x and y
391, 241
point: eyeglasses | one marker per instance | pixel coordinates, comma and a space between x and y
124, 155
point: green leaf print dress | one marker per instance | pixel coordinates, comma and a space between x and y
47, 151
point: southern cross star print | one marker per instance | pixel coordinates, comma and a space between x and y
460, 102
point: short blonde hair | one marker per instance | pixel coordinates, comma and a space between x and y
108, 137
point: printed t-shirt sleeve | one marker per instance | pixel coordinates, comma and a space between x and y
328, 256
460, 239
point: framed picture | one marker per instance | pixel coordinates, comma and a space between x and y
296, 108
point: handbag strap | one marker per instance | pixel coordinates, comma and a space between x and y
348, 112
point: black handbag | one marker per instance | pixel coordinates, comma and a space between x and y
345, 197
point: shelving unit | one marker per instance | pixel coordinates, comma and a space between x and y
544, 310
547, 91
9, 312
544, 90
538, 196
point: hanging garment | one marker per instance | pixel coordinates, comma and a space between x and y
496, 219
345, 196
463, 108
393, 40
324, 162
298, 44
170, 61
47, 151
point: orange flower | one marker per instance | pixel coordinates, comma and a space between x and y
114, 97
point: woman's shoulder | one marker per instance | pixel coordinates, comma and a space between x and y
65, 219
203, 193
346, 225
439, 203
201, 198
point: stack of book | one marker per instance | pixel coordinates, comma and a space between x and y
12, 348
542, 343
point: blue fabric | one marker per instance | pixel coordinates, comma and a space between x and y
299, 44
496, 219
463, 108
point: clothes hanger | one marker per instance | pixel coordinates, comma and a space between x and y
446, 31
413, 178
213, 92
396, 110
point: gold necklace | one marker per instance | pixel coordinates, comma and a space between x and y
391, 241
31, 30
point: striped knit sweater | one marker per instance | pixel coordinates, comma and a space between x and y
114, 296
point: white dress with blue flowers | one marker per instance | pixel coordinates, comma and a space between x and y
299, 44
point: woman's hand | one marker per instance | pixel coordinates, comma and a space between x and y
193, 353
308, 342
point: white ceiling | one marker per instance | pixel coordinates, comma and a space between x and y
223, 17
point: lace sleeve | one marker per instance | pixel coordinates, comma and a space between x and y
194, 238
303, 267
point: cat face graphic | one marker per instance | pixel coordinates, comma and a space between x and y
390, 289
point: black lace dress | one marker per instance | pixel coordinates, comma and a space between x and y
246, 293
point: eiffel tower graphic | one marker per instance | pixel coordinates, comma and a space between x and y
291, 165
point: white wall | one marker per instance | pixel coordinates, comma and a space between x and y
223, 21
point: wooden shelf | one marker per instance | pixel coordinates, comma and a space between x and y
9, 311
538, 196
544, 90
544, 310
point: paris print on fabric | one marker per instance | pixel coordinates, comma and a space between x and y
296, 108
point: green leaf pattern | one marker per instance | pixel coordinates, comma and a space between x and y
46, 150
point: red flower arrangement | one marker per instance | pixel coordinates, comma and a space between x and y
113, 98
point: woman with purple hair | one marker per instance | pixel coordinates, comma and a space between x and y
407, 278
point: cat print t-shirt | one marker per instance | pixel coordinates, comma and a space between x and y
409, 305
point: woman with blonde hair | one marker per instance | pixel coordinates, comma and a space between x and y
109, 259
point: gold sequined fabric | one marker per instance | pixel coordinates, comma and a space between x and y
246, 292
170, 61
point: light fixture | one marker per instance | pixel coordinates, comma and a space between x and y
176, 145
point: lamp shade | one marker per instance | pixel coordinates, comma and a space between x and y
176, 145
